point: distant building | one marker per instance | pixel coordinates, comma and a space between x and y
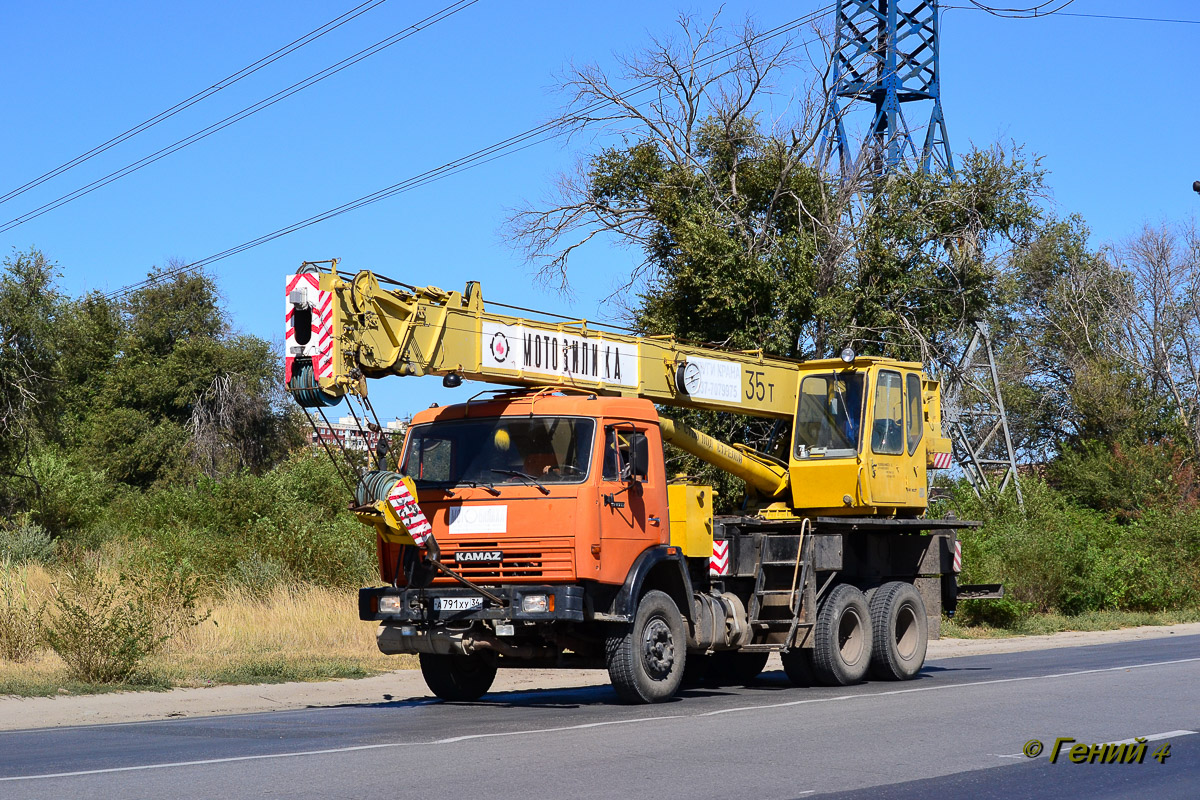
354, 434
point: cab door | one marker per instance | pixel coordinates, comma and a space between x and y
886, 448
630, 519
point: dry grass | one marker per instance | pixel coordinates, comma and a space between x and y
293, 633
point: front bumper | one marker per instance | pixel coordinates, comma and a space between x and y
417, 606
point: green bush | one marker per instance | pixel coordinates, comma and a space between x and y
1058, 556
258, 576
70, 495
290, 525
1123, 480
26, 542
1002, 613
103, 628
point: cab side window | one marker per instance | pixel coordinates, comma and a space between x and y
916, 413
626, 454
612, 455
887, 425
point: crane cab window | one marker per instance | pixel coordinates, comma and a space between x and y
887, 425
829, 414
916, 415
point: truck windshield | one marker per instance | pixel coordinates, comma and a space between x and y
829, 415
499, 450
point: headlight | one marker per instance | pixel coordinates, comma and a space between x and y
536, 604
390, 604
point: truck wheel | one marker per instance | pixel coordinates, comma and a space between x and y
842, 638
646, 660
798, 666
901, 632
458, 677
730, 667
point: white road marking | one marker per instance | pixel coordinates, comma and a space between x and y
1154, 737
588, 725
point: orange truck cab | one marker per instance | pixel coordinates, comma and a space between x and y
536, 488
557, 503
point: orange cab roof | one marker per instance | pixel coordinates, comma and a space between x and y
542, 403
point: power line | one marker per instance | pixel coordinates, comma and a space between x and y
1081, 14
513, 144
224, 83
1028, 12
250, 110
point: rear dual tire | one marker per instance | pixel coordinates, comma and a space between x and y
900, 632
842, 638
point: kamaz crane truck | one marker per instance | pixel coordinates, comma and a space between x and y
539, 525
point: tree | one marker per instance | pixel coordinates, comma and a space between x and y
1159, 312
30, 309
150, 410
744, 239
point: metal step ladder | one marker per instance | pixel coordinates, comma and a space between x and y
776, 602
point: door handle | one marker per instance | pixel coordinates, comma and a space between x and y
654, 520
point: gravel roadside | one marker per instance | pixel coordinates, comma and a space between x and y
55, 712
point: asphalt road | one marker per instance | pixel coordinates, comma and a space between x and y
958, 730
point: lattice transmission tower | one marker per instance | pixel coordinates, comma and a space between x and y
886, 54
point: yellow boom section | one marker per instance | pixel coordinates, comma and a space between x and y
768, 477
428, 331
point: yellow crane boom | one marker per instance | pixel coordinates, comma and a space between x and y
345, 329
377, 331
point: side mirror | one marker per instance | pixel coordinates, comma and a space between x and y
638, 468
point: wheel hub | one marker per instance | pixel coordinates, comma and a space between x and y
658, 649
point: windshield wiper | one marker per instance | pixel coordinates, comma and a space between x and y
485, 485
526, 476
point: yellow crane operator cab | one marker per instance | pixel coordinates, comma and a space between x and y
862, 423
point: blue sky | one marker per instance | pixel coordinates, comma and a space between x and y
1111, 106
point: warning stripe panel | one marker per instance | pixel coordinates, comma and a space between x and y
410, 514
718, 563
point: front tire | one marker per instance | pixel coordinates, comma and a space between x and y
458, 677
646, 660
901, 632
842, 638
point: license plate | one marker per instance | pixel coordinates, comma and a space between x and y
479, 557
457, 603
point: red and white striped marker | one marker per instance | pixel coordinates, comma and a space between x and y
718, 564
957, 556
320, 343
406, 508
942, 460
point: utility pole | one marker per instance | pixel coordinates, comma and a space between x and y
886, 54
